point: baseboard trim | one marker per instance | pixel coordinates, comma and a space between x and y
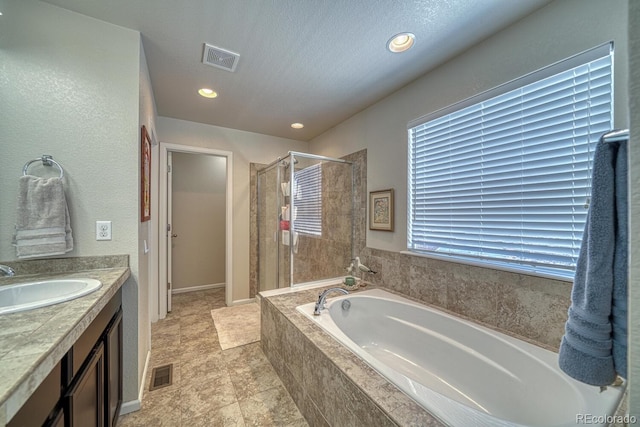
197, 288
129, 407
135, 405
243, 301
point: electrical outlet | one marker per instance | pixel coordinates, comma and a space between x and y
103, 230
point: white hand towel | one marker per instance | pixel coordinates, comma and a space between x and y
42, 225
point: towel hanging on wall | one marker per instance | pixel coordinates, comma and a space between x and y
43, 226
594, 347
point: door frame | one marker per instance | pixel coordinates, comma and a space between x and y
163, 239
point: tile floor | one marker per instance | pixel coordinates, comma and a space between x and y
211, 387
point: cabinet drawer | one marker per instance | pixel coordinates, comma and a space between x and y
88, 339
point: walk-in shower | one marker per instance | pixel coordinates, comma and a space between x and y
305, 221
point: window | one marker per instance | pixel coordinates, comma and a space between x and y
503, 178
308, 200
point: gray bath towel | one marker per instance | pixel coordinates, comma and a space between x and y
594, 347
42, 226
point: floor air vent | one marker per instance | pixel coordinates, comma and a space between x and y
220, 58
162, 376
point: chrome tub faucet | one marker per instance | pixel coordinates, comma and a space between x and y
6, 271
323, 297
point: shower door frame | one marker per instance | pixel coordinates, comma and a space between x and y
264, 170
290, 157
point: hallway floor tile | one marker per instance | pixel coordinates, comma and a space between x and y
211, 387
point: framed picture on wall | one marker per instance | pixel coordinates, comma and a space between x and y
145, 183
381, 210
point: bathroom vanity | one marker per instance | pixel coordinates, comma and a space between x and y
62, 365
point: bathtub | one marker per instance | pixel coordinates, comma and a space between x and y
462, 373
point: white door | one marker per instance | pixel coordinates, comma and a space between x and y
170, 234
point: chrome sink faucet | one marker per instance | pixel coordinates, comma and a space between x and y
5, 270
322, 298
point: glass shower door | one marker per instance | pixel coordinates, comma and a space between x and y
305, 220
267, 229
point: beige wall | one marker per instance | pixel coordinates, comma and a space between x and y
247, 147
147, 254
69, 87
557, 31
199, 210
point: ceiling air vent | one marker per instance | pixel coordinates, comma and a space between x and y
220, 58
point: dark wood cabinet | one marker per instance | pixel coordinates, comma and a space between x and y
84, 402
85, 387
113, 371
57, 420
35, 412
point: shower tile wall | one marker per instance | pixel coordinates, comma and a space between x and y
322, 257
359, 161
326, 256
253, 228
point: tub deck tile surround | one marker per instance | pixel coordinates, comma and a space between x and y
534, 309
330, 385
34, 341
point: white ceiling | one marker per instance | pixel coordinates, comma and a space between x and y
312, 61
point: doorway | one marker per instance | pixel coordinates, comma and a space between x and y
170, 236
198, 209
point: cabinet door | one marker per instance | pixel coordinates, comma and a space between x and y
113, 372
85, 399
41, 403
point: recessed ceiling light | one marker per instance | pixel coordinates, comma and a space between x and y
297, 125
208, 93
401, 42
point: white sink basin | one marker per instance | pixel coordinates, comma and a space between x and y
27, 296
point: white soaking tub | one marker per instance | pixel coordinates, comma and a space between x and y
462, 373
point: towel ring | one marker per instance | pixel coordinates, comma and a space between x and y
46, 161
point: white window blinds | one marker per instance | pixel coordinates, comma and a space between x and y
308, 200
505, 178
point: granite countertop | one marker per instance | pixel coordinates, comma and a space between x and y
32, 342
